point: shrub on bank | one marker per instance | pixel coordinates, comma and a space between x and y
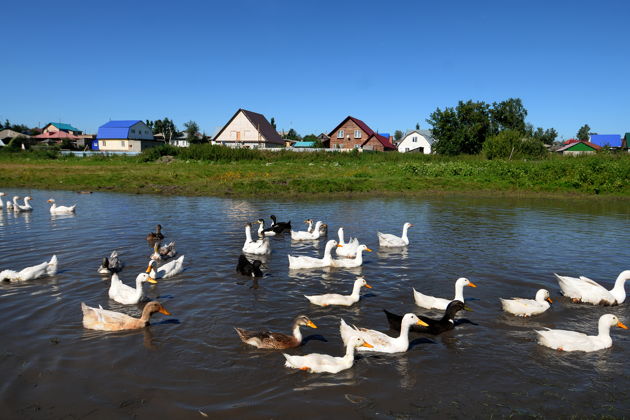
512, 144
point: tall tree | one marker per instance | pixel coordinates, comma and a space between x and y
398, 135
417, 126
583, 133
192, 128
293, 135
165, 127
462, 129
508, 115
273, 122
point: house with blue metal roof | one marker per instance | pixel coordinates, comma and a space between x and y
124, 136
603, 140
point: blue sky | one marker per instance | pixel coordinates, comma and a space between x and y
309, 64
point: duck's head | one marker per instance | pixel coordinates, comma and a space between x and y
357, 341
2, 194
248, 225
361, 281
407, 225
308, 221
16, 197
363, 248
155, 306
151, 267
51, 200
304, 320
158, 227
465, 282
456, 306
272, 217
543, 294
28, 198
260, 221
612, 320
412, 319
144, 277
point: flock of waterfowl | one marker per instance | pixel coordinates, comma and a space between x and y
163, 264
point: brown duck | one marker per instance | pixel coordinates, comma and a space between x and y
272, 340
157, 235
104, 320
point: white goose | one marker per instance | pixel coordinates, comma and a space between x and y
430, 302
528, 307
1, 200
357, 261
167, 270
127, 295
260, 247
349, 248
337, 299
305, 235
300, 262
55, 209
389, 240
9, 205
47, 268
586, 290
24, 207
262, 227
318, 363
577, 341
382, 342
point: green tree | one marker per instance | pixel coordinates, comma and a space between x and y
462, 129
417, 126
313, 138
192, 128
273, 123
513, 144
508, 115
292, 135
547, 136
398, 135
583, 133
165, 127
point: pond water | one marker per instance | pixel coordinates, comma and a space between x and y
192, 363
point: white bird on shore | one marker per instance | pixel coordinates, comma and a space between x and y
431, 302
47, 268
576, 341
393, 241
586, 290
528, 307
55, 209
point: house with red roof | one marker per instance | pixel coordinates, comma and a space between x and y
352, 133
249, 130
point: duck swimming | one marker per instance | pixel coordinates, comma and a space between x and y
55, 209
303, 262
111, 264
349, 249
382, 342
167, 270
577, 341
124, 294
430, 302
47, 268
271, 340
26, 207
163, 253
393, 241
586, 290
279, 227
260, 247
434, 326
528, 307
337, 299
357, 261
247, 268
262, 230
157, 235
104, 320
319, 363
305, 235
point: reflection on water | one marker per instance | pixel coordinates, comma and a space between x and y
193, 360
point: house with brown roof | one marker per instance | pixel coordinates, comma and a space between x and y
352, 133
250, 130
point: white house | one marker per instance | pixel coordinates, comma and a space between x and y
419, 141
249, 130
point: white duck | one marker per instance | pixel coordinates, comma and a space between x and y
262, 227
357, 261
586, 290
305, 235
24, 207
337, 299
389, 240
260, 247
1, 200
577, 341
167, 270
124, 294
382, 342
430, 302
9, 205
528, 307
300, 262
47, 268
318, 363
349, 248
55, 209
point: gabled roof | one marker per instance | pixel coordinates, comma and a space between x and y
56, 135
120, 124
63, 126
363, 126
424, 133
259, 121
7, 133
385, 142
570, 145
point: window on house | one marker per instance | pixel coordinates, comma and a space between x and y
406, 149
104, 143
133, 131
357, 134
414, 139
340, 134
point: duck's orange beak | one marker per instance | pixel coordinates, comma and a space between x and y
311, 324
471, 284
152, 280
368, 286
421, 322
368, 249
549, 300
164, 311
148, 268
620, 325
366, 344
339, 246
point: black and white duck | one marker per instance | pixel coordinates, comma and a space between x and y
434, 326
249, 268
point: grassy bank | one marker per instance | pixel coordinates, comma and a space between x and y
217, 171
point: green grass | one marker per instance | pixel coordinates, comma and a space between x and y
219, 171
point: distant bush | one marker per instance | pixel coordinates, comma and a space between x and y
512, 144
